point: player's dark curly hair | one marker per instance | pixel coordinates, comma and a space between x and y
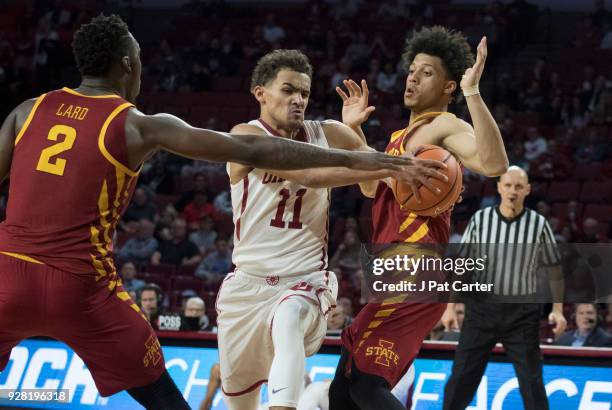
269, 65
449, 45
97, 44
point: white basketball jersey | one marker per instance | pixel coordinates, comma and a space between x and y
280, 226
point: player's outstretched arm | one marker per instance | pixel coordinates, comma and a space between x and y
481, 149
340, 136
148, 134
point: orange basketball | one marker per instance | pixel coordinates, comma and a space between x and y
433, 204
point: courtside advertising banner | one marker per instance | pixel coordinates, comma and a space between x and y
50, 365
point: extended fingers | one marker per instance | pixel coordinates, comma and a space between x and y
427, 183
354, 88
341, 93
415, 192
432, 163
435, 174
364, 87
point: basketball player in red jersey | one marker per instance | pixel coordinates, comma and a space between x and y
384, 339
74, 158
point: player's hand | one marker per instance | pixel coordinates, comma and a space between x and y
449, 318
375, 161
419, 173
559, 321
355, 108
472, 75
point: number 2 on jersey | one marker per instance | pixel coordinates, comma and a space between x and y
56, 167
295, 223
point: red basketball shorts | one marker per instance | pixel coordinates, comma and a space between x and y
384, 339
104, 327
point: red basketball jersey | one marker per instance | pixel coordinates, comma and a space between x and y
392, 225
69, 184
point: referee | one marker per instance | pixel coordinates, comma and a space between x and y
513, 273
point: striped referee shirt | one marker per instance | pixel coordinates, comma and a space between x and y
514, 248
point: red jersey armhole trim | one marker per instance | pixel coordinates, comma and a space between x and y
29, 119
102, 147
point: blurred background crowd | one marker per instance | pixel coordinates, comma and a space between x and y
548, 82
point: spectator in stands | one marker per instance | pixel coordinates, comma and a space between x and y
607, 322
342, 73
223, 202
452, 335
592, 150
162, 229
535, 144
345, 9
194, 316
348, 253
231, 52
387, 79
272, 32
588, 331
532, 98
156, 176
179, 250
572, 217
602, 112
588, 35
150, 300
389, 11
217, 264
199, 78
573, 113
199, 185
257, 46
606, 40
198, 208
357, 52
336, 321
517, 156
543, 209
140, 248
128, 277
347, 307
141, 207
205, 236
591, 232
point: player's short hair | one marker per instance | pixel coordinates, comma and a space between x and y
268, 66
448, 45
99, 43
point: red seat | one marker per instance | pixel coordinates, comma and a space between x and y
587, 171
181, 283
559, 209
563, 191
163, 269
603, 213
596, 191
160, 280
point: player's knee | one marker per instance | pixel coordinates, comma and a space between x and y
367, 389
289, 317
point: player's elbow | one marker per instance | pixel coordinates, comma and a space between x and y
496, 170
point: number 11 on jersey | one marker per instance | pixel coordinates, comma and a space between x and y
295, 223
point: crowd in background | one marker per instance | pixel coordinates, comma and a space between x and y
554, 109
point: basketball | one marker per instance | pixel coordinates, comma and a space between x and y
432, 204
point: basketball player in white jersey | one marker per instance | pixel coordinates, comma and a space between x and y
271, 309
